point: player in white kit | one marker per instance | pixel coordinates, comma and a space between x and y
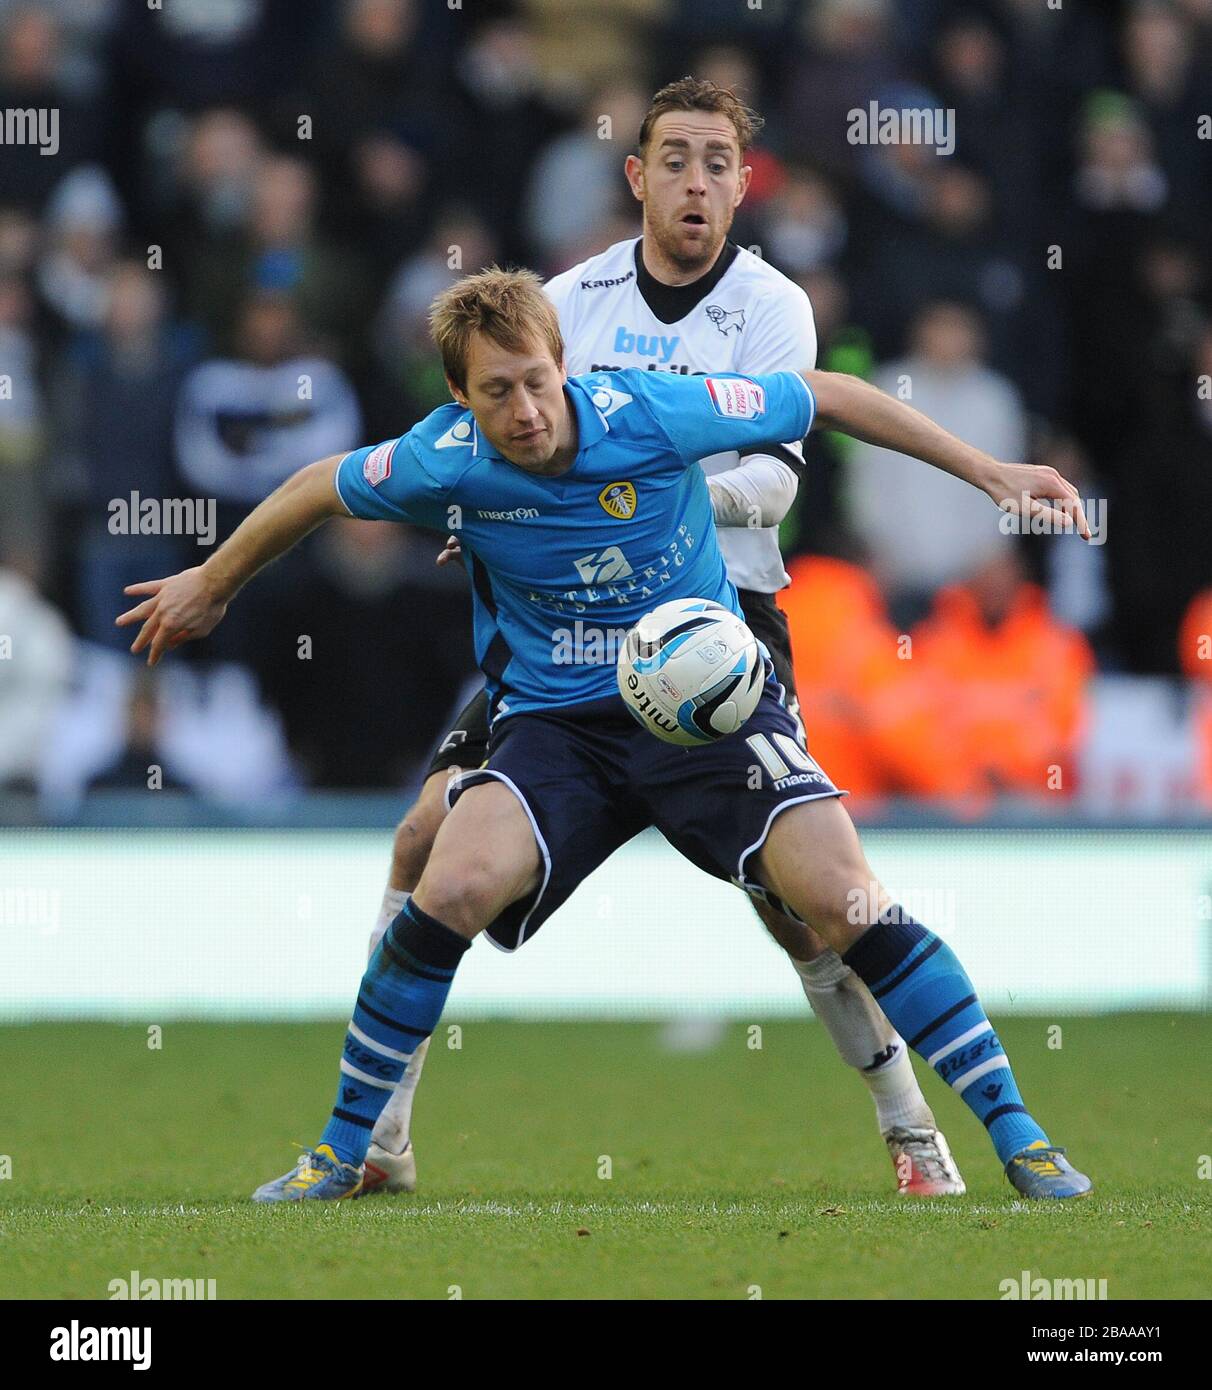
683, 298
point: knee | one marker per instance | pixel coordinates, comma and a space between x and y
466, 898
412, 843
841, 902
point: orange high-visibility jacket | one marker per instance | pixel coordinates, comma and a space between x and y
871, 711
1015, 693
1195, 659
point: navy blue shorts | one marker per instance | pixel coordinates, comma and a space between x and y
590, 778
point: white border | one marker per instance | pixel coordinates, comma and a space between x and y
811, 398
761, 840
975, 1032
336, 474
459, 783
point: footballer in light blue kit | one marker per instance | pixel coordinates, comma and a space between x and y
585, 496
682, 298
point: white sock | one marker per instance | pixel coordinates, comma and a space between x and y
389, 909
861, 1034
391, 1131
392, 1128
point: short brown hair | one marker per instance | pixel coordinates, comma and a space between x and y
698, 94
508, 306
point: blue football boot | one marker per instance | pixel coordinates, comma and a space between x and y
318, 1176
1042, 1171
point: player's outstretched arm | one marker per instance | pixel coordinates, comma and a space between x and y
192, 604
857, 408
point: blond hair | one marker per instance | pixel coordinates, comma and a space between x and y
508, 306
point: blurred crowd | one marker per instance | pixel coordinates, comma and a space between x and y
222, 272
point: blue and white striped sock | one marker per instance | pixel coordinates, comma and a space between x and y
919, 983
401, 999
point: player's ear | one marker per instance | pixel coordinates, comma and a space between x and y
633, 167
742, 185
460, 396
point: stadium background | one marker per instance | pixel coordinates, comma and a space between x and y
302, 178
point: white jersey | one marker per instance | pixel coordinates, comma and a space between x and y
742, 316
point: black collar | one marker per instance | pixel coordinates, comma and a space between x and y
671, 303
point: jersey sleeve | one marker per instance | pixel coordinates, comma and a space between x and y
704, 415
782, 337
559, 289
388, 482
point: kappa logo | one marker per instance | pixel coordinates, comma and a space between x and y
459, 435
726, 320
619, 500
736, 397
377, 466
607, 284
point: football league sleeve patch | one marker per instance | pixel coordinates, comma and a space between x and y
387, 482
704, 415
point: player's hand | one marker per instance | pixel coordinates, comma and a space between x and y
1037, 491
178, 609
451, 551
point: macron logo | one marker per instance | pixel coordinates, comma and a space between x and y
517, 514
458, 434
736, 398
607, 401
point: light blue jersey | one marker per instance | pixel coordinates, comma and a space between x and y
561, 567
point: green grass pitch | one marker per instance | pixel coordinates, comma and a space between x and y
732, 1171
